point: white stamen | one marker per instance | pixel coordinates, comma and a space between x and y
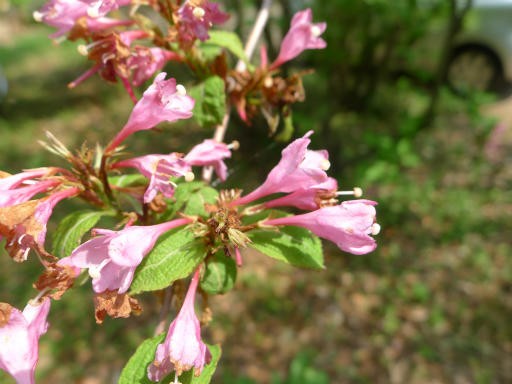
198, 12
375, 229
20, 239
38, 16
82, 49
94, 271
25, 254
94, 9
356, 192
316, 31
181, 90
268, 82
234, 145
325, 164
35, 301
189, 176
108, 57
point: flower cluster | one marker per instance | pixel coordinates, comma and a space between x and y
205, 225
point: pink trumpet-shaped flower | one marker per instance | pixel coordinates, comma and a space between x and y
13, 181
162, 101
195, 21
211, 152
298, 168
348, 225
20, 333
159, 169
309, 198
183, 347
113, 256
303, 34
19, 195
64, 14
24, 225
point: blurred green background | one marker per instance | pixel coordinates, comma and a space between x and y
433, 304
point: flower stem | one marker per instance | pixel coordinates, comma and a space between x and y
254, 36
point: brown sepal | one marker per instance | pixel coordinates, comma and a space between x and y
57, 279
115, 305
5, 313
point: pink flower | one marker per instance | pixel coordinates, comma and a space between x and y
182, 348
196, 20
12, 181
145, 62
303, 34
20, 333
159, 169
113, 256
162, 101
348, 225
24, 225
308, 199
20, 195
211, 152
298, 168
64, 14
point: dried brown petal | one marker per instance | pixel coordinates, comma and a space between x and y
115, 305
57, 279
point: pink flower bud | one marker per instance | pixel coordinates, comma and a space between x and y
348, 225
183, 347
162, 101
20, 333
303, 34
20, 195
210, 152
113, 256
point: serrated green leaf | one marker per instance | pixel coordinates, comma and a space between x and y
135, 371
190, 198
72, 228
228, 40
174, 257
210, 98
220, 274
127, 180
292, 245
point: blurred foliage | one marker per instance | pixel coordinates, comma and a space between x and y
432, 304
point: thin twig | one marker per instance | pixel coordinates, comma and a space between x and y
254, 36
164, 311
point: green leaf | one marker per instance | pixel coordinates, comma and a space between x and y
70, 231
208, 370
190, 198
135, 371
228, 40
174, 257
127, 180
292, 245
220, 274
210, 97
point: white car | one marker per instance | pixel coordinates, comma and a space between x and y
482, 55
